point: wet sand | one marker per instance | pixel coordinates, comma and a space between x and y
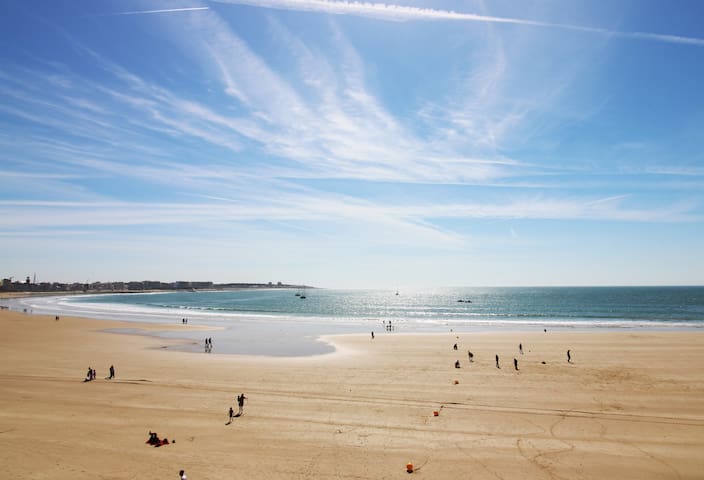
630, 405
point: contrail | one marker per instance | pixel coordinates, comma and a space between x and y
401, 13
168, 10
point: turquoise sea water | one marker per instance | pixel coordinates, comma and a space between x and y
278, 322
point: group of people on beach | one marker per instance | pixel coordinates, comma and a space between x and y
240, 404
470, 357
91, 375
155, 441
208, 345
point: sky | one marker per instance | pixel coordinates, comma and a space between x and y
349, 144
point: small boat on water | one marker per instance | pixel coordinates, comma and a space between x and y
464, 301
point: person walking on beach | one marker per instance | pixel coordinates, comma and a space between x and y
240, 403
470, 355
372, 335
112, 372
232, 414
520, 348
182, 475
515, 363
497, 361
569, 357
454, 347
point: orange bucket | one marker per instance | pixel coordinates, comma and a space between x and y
409, 467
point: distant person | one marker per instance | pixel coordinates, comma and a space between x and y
569, 357
112, 372
497, 361
89, 375
57, 318
470, 355
457, 364
372, 335
454, 347
240, 403
520, 348
515, 363
182, 475
232, 414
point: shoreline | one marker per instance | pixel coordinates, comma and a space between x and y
628, 406
281, 336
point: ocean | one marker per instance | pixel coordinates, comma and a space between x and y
280, 322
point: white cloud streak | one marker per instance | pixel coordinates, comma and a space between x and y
400, 13
166, 10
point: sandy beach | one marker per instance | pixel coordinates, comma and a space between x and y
630, 405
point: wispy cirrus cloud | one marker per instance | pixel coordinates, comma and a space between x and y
417, 220
400, 13
324, 123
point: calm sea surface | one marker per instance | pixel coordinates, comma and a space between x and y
279, 322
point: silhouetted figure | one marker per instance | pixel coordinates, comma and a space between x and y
454, 347
372, 335
497, 362
457, 364
240, 403
182, 475
231, 413
112, 372
515, 363
520, 348
470, 355
569, 357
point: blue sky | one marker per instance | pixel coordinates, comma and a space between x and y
346, 144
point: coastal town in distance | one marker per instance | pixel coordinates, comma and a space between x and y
30, 285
